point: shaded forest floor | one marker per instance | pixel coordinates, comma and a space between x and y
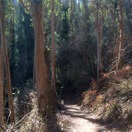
71, 119
105, 107
110, 98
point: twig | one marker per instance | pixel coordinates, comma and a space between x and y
2, 128
23, 4
27, 103
8, 115
21, 119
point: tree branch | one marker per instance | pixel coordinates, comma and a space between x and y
2, 128
21, 119
23, 5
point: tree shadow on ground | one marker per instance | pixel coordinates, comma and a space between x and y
52, 123
116, 125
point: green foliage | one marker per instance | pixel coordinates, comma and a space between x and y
37, 1
75, 37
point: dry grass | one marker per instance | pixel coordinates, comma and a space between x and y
111, 97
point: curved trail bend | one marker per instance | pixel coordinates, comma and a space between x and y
81, 121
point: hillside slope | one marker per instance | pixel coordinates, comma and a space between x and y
111, 98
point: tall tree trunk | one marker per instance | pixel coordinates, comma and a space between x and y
6, 65
1, 89
121, 36
114, 24
53, 48
71, 18
85, 4
86, 28
115, 50
99, 31
46, 96
99, 47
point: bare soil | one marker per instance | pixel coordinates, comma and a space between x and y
81, 121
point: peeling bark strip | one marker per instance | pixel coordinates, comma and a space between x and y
1, 88
6, 64
46, 96
99, 30
53, 48
121, 36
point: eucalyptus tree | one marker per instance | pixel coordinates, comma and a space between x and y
1, 87
53, 46
6, 62
121, 36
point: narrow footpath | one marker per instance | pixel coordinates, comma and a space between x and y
81, 121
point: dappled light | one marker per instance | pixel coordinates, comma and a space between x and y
65, 66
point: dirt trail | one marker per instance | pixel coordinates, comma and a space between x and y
81, 121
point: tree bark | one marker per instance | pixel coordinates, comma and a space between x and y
6, 65
99, 32
53, 58
1, 89
71, 18
121, 37
86, 14
45, 93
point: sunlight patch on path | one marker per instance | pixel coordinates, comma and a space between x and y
81, 121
